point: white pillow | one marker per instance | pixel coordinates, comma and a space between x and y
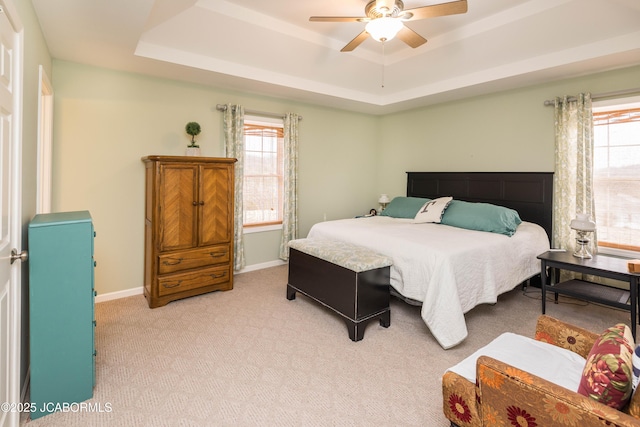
433, 210
558, 365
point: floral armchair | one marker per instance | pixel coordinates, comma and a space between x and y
506, 396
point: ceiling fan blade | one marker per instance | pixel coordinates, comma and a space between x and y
410, 37
337, 18
442, 9
355, 42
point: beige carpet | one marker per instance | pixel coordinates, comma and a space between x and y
250, 357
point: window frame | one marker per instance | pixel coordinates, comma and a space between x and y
612, 248
277, 122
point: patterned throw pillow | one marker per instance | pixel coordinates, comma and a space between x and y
607, 375
433, 210
634, 404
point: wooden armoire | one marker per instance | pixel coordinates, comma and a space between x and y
188, 227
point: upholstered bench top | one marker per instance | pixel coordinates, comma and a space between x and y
347, 255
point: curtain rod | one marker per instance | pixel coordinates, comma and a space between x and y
602, 95
222, 107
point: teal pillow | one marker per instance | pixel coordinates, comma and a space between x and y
404, 207
481, 217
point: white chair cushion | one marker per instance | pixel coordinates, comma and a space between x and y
557, 365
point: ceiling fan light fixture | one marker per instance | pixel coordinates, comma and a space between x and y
384, 29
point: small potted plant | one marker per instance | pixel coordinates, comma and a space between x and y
193, 129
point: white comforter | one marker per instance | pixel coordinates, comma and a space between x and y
450, 270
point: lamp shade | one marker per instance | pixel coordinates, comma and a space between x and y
384, 29
582, 223
383, 199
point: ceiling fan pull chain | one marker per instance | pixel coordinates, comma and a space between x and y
382, 64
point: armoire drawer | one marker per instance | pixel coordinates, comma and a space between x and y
183, 282
185, 260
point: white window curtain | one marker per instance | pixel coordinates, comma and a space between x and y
234, 147
573, 177
290, 199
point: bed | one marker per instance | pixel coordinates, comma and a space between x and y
449, 269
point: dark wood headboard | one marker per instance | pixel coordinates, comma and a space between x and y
529, 193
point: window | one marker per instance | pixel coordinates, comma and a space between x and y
616, 175
263, 171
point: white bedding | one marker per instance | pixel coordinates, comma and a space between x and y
450, 270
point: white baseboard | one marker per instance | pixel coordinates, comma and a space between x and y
261, 266
119, 294
138, 291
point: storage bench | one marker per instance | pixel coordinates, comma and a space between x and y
350, 280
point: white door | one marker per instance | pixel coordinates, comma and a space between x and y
10, 221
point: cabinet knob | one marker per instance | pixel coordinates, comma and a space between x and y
195, 203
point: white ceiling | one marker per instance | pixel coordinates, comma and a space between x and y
269, 46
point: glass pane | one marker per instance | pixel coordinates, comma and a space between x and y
601, 161
261, 200
271, 145
624, 133
617, 183
252, 143
625, 161
601, 136
252, 163
262, 174
270, 164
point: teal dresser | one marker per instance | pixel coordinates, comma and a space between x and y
61, 310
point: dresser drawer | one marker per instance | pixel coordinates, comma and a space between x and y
183, 282
185, 260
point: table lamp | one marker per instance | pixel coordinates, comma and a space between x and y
384, 201
583, 225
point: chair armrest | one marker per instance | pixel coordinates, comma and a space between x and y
459, 400
510, 396
565, 335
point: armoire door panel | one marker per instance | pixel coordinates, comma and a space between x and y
215, 217
178, 207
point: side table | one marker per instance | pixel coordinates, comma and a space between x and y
600, 265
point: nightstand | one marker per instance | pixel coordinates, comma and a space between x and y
600, 265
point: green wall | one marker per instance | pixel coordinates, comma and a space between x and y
105, 121
504, 131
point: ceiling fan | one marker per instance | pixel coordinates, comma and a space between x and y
385, 20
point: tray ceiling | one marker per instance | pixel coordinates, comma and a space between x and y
271, 48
